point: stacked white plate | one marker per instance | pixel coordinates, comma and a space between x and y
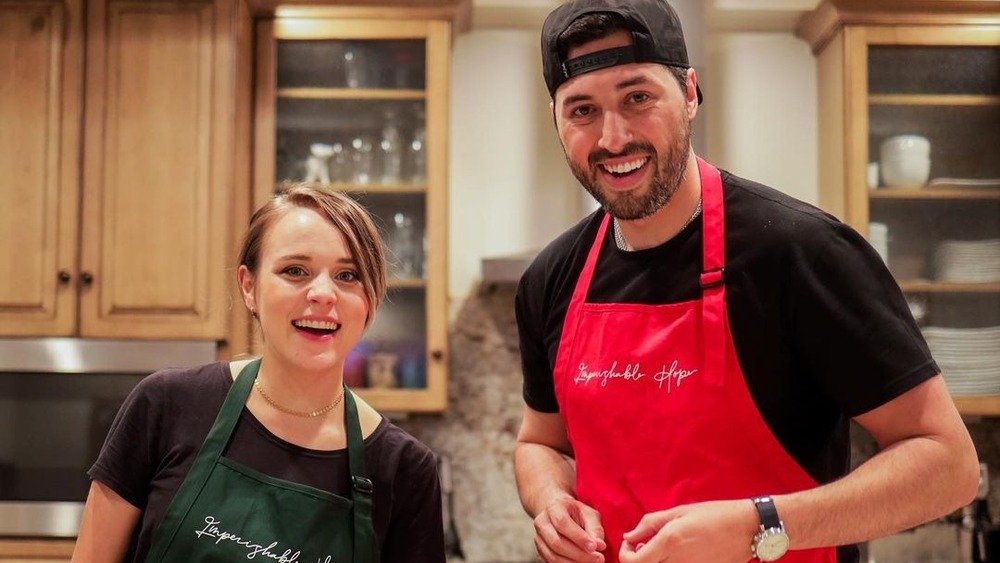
976, 261
969, 358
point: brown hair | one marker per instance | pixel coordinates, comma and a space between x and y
346, 214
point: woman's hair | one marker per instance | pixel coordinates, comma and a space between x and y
346, 214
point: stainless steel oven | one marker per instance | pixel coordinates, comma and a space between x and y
58, 397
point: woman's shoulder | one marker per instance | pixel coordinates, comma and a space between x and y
191, 375
185, 383
402, 448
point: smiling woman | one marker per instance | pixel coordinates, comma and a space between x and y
322, 475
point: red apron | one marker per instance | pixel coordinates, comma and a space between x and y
655, 403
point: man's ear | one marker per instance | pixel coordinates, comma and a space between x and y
692, 92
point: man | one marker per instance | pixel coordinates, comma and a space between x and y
693, 352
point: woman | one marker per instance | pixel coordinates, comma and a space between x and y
263, 459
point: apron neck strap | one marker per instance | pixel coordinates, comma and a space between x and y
362, 488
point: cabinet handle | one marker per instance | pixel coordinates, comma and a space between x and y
63, 277
87, 278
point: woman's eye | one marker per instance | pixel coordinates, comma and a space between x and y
297, 271
348, 276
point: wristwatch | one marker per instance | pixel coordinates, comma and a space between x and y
771, 542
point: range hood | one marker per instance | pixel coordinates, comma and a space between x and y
507, 268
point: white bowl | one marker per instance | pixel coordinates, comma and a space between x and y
905, 146
321, 150
909, 172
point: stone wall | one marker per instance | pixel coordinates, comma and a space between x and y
478, 432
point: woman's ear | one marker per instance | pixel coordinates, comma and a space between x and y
246, 281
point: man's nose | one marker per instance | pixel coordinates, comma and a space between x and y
615, 134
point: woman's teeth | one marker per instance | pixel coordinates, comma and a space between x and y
317, 325
625, 167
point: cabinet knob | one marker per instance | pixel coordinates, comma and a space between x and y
63, 277
87, 278
437, 354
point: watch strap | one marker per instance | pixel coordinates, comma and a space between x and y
767, 512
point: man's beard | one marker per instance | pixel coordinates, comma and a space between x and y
667, 175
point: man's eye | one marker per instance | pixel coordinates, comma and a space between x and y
582, 111
639, 97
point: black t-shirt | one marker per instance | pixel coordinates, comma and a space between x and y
821, 329
163, 422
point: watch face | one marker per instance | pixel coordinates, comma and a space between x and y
772, 544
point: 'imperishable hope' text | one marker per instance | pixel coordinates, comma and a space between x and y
212, 531
671, 376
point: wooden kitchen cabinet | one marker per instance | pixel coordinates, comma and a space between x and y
116, 167
356, 99
35, 551
932, 69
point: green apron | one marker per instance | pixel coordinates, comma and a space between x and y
226, 512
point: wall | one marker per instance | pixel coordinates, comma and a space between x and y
510, 188
477, 435
511, 192
763, 120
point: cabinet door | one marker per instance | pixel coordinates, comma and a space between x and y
35, 551
360, 106
157, 168
40, 107
931, 111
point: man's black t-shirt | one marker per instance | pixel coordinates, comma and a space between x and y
821, 329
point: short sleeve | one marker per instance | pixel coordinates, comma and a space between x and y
416, 529
852, 326
126, 461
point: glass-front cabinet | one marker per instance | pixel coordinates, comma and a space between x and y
910, 155
360, 106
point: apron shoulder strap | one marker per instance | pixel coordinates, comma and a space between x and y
362, 488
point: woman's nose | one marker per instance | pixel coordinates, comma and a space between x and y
323, 290
615, 134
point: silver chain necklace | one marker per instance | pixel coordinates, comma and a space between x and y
620, 239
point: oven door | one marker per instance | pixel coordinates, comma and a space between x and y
58, 398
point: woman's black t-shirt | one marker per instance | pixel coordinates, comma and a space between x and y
163, 422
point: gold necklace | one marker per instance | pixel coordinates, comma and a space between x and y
312, 414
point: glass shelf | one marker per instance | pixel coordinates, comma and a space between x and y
943, 242
358, 107
931, 72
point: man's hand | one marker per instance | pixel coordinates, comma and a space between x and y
568, 530
718, 531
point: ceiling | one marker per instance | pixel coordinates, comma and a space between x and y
719, 14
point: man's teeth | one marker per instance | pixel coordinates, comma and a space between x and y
625, 167
319, 325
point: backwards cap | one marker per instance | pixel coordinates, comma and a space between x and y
656, 38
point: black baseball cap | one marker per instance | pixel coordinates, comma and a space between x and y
656, 38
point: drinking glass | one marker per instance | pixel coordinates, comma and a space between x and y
355, 66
